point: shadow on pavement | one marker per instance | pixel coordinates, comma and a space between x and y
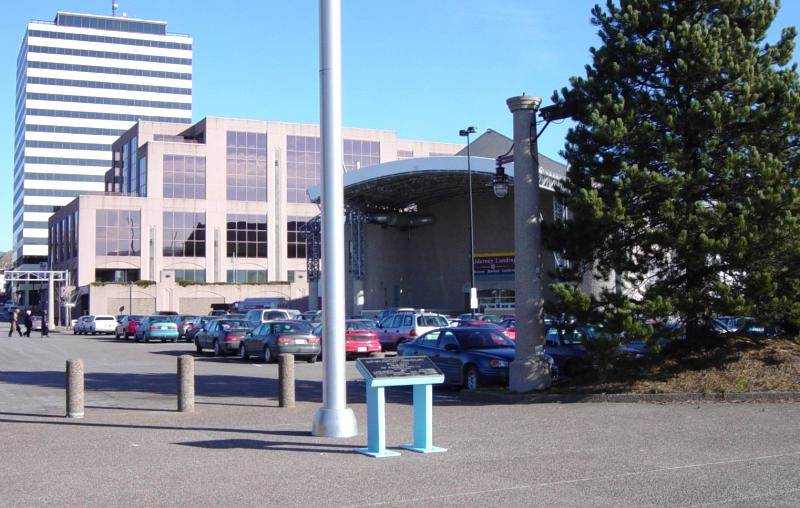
255, 444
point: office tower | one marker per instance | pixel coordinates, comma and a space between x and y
82, 81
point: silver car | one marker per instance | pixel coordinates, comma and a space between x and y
404, 326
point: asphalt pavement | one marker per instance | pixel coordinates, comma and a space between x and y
240, 449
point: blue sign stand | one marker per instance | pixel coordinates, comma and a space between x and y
376, 412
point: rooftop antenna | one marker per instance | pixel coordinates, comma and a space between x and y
114, 7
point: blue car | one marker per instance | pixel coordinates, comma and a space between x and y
565, 344
469, 357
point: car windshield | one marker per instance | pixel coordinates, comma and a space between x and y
361, 324
482, 339
570, 336
292, 328
436, 321
231, 324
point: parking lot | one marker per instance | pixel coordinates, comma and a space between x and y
239, 448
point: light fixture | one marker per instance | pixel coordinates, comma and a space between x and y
500, 182
466, 132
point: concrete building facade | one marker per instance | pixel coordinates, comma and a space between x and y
82, 81
219, 202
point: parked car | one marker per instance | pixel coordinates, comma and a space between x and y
469, 357
100, 323
126, 326
184, 323
81, 325
165, 313
312, 316
218, 313
270, 339
222, 335
197, 324
156, 328
405, 326
391, 312
360, 337
258, 316
509, 326
480, 317
565, 344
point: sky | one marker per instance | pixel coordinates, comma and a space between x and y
422, 68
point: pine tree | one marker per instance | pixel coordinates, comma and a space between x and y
684, 163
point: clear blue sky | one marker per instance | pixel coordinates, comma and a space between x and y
424, 68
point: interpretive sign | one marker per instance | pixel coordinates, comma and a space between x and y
498, 265
379, 373
400, 366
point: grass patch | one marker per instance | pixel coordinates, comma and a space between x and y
718, 366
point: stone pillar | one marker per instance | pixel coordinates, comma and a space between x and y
186, 384
528, 371
286, 380
74, 387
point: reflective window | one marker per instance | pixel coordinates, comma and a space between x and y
247, 276
184, 234
109, 70
142, 178
361, 154
117, 233
246, 163
295, 242
190, 275
108, 40
53, 50
405, 154
246, 236
303, 166
184, 176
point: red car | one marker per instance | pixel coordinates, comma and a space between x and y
360, 339
508, 327
126, 326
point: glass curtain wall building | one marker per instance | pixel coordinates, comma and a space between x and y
82, 81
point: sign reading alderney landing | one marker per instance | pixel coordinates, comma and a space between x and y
496, 265
400, 366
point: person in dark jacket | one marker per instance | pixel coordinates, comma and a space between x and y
15, 323
28, 322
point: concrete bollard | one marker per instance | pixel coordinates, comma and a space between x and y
286, 380
186, 384
74, 384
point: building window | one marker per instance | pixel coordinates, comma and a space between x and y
246, 163
142, 190
133, 183
126, 174
361, 154
405, 154
295, 242
184, 234
303, 166
247, 276
184, 177
190, 275
246, 236
439, 154
117, 233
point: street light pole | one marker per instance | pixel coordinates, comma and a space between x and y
528, 371
334, 418
473, 296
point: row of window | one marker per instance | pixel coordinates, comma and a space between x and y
184, 176
87, 99
63, 178
109, 70
117, 24
33, 143
65, 129
246, 236
33, 80
117, 233
63, 238
52, 50
246, 166
103, 116
247, 276
64, 161
190, 275
109, 40
184, 234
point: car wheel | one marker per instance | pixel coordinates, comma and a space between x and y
197, 346
74, 332
242, 352
471, 378
174, 340
217, 348
116, 336
267, 355
312, 359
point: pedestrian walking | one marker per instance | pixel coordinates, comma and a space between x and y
28, 322
15, 323
45, 328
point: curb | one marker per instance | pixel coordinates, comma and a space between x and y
542, 398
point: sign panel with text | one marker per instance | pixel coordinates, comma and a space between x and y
495, 265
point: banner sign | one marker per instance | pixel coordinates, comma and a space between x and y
495, 265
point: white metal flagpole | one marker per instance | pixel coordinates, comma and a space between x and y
334, 418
